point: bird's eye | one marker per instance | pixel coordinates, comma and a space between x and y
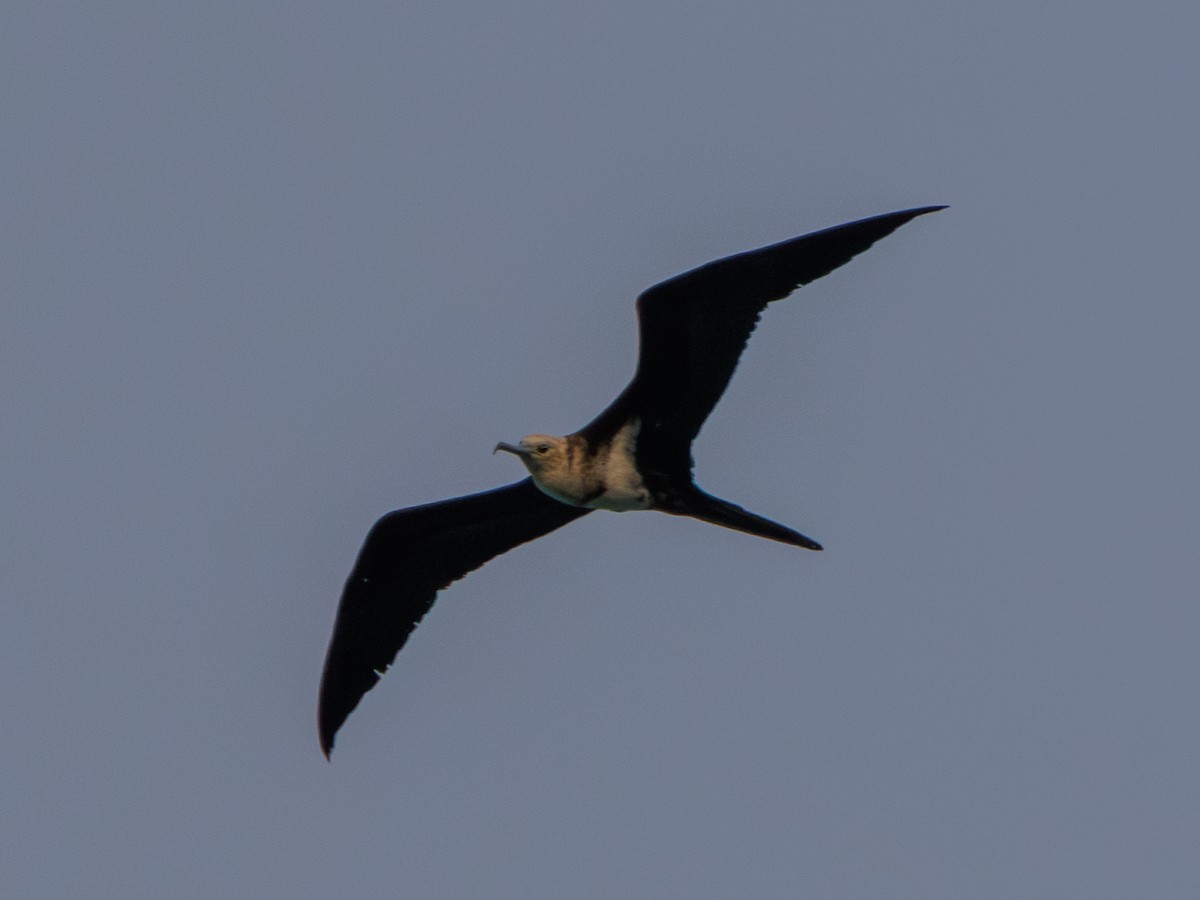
543, 448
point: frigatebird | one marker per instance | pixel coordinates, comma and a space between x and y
635, 455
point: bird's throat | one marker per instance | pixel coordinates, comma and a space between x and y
600, 476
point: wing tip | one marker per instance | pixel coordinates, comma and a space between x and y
326, 734
909, 214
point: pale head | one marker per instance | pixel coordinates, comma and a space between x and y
543, 454
548, 459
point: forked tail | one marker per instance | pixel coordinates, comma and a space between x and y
699, 505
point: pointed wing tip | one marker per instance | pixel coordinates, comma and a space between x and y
325, 736
332, 715
921, 210
333, 705
866, 232
326, 741
333, 711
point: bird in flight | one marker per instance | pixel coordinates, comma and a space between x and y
635, 455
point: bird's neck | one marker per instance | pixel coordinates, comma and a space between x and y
603, 475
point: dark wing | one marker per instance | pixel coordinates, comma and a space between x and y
410, 555
694, 327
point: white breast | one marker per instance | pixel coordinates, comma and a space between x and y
623, 487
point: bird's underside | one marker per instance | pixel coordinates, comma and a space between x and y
635, 455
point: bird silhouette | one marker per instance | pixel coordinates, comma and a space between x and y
635, 455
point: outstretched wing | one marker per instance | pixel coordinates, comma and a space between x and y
409, 556
693, 328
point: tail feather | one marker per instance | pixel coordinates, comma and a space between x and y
699, 505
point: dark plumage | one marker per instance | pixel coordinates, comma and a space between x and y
635, 455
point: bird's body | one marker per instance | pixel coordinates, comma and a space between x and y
635, 455
573, 471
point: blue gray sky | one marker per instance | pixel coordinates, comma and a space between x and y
268, 271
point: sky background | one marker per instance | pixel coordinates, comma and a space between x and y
270, 270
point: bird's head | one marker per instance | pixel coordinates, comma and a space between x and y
544, 455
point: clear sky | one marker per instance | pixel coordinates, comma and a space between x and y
270, 270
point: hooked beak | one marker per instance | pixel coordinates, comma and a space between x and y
511, 448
